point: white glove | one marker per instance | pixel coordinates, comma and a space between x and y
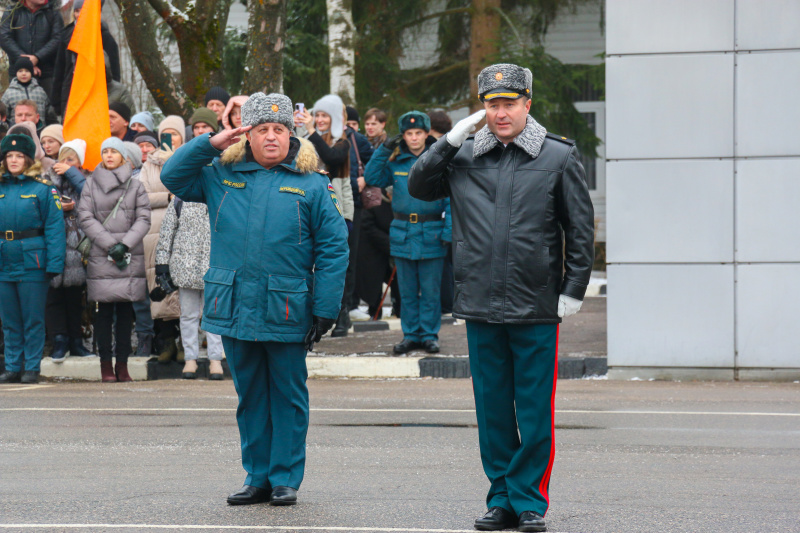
568, 306
465, 126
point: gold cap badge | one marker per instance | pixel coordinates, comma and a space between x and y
498, 76
413, 120
274, 108
13, 143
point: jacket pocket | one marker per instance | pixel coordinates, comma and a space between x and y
458, 262
286, 300
34, 254
219, 293
432, 233
397, 235
541, 271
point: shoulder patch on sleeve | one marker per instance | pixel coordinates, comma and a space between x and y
559, 138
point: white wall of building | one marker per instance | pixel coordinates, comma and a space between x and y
703, 188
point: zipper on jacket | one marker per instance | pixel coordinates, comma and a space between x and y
299, 225
287, 308
218, 208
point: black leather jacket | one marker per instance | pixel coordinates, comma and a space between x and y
509, 210
39, 34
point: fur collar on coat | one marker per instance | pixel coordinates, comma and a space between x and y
530, 139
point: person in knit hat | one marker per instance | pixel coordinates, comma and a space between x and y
143, 121
119, 116
166, 313
134, 156
24, 87
33, 248
52, 137
147, 142
65, 296
203, 121
114, 284
217, 100
253, 216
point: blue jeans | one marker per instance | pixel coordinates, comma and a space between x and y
420, 285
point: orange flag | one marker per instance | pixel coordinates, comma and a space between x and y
87, 109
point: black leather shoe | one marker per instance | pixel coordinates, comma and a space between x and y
248, 495
406, 346
496, 519
29, 376
283, 496
530, 521
10, 377
431, 346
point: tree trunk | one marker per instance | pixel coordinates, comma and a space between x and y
341, 49
141, 35
484, 43
265, 43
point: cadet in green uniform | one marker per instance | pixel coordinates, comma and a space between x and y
514, 190
32, 251
277, 267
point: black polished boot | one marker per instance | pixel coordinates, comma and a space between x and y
531, 521
406, 345
248, 495
29, 376
496, 519
144, 345
283, 496
431, 346
342, 324
10, 377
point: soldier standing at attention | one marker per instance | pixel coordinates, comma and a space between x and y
274, 286
33, 247
514, 190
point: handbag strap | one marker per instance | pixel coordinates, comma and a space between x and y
113, 212
358, 156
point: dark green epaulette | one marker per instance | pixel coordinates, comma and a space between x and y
564, 140
45, 181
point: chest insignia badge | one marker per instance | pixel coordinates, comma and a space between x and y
293, 190
235, 185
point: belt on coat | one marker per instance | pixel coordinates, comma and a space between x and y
18, 235
414, 218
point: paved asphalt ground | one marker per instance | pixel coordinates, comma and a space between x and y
399, 456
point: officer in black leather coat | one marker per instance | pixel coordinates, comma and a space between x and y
514, 191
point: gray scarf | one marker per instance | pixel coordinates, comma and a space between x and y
530, 139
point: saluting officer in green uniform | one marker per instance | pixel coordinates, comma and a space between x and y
32, 251
513, 188
274, 286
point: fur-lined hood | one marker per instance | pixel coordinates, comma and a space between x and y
530, 139
305, 161
32, 171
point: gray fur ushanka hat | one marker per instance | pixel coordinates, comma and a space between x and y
261, 108
504, 80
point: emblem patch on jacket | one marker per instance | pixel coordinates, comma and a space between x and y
335, 200
234, 184
57, 198
401, 173
27, 196
293, 190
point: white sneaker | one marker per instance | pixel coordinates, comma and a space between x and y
358, 314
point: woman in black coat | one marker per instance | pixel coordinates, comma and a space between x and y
374, 259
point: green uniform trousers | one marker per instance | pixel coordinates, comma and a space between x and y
270, 379
514, 380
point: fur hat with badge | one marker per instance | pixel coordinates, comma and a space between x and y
17, 143
414, 119
261, 108
504, 80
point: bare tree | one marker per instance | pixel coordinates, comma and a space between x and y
265, 44
341, 49
199, 29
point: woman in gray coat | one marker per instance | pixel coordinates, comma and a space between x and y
116, 275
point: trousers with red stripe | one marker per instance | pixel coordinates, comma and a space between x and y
514, 380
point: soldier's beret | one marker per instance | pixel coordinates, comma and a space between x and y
17, 143
414, 119
261, 108
504, 80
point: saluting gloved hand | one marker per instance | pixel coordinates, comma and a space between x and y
320, 327
568, 306
117, 252
393, 142
464, 127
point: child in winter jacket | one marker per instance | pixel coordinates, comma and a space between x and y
24, 87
